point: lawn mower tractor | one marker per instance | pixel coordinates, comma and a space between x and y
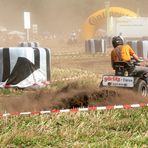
128, 75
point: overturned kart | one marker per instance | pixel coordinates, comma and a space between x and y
128, 75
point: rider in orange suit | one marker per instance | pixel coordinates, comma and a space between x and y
121, 51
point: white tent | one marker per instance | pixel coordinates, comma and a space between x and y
16, 33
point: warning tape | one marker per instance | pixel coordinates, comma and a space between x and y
67, 53
74, 78
74, 55
76, 110
45, 83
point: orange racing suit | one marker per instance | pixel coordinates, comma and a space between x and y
121, 53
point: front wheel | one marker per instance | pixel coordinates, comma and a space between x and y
141, 88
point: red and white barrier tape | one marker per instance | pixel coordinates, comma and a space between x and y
44, 83
80, 53
48, 82
76, 110
67, 53
74, 78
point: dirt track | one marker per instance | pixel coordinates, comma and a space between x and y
71, 95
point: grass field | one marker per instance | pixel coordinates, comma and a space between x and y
116, 128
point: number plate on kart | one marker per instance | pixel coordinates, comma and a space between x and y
118, 81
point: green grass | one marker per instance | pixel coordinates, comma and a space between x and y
10, 91
116, 128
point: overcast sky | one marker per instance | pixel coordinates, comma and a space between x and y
59, 15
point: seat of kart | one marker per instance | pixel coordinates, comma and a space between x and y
121, 67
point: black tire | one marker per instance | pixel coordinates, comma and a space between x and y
141, 88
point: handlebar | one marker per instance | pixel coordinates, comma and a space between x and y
137, 63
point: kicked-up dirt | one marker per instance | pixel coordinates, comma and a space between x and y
69, 96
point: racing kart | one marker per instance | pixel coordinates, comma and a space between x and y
126, 76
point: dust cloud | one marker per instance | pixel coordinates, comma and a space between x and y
59, 18
58, 15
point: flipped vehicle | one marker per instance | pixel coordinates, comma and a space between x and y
128, 75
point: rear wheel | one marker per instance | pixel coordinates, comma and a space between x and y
141, 88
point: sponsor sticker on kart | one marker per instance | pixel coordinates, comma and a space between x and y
118, 81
